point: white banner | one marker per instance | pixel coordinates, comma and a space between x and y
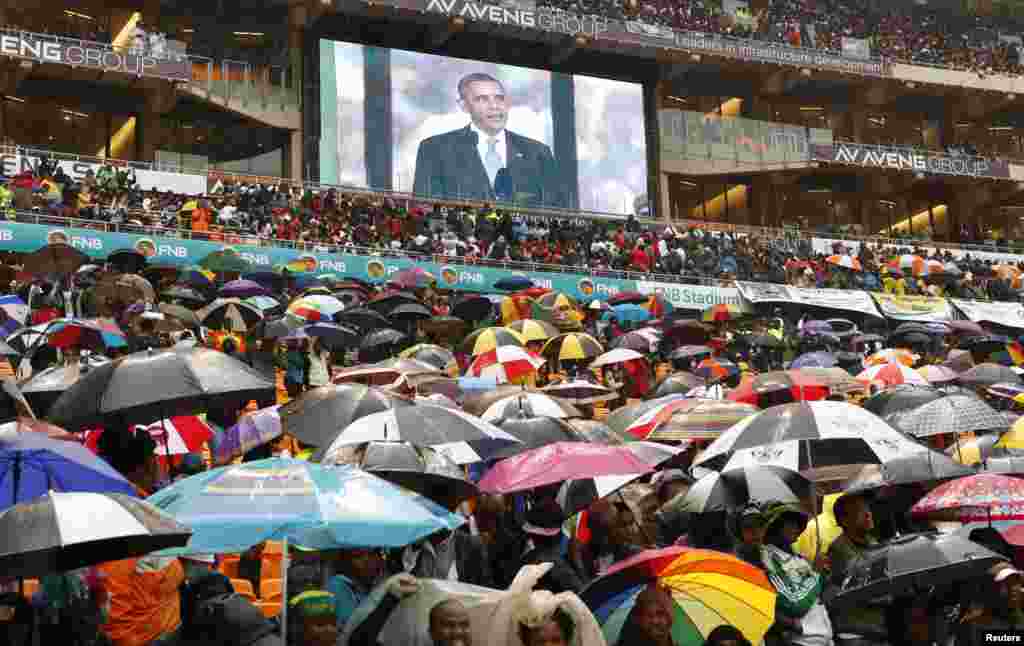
1000, 313
692, 297
148, 180
856, 48
837, 299
914, 308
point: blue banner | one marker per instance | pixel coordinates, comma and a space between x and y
26, 238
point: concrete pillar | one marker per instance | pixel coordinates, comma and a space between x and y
664, 199
293, 159
298, 18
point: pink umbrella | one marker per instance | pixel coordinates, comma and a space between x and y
559, 462
983, 497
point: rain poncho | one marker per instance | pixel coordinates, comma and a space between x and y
495, 615
144, 600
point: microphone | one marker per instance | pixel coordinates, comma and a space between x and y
503, 185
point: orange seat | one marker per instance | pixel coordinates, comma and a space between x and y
272, 547
30, 587
270, 609
244, 588
229, 566
270, 589
270, 568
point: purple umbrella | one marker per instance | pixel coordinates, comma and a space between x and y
815, 360
966, 328
252, 430
243, 288
817, 327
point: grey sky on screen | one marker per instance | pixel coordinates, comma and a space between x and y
611, 146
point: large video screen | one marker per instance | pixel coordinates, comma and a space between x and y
443, 127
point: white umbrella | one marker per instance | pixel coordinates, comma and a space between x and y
618, 355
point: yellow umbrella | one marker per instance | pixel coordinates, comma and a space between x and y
820, 532
572, 346
558, 301
972, 450
533, 330
889, 355
1013, 438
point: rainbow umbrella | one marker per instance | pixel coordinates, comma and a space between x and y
721, 312
316, 308
197, 276
708, 589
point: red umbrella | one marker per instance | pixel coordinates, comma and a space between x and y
559, 462
635, 298
532, 292
801, 386
982, 497
174, 436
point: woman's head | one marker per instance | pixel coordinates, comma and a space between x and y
556, 630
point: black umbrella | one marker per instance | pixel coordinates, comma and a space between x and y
733, 489
13, 403
378, 338
350, 297
435, 355
444, 326
184, 293
956, 413
900, 398
596, 432
59, 532
535, 432
384, 304
276, 328
409, 312
911, 565
230, 314
911, 339
678, 383
361, 317
921, 468
530, 404
987, 374
147, 386
417, 468
316, 417
57, 258
44, 388
473, 308
127, 261
689, 352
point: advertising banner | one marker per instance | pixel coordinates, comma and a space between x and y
148, 180
918, 161
44, 49
21, 237
837, 299
692, 297
764, 52
913, 308
1000, 313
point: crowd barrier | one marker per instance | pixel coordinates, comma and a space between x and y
183, 248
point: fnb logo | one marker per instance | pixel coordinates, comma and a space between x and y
82, 242
172, 250
6, 235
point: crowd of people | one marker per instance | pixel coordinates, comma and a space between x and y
526, 569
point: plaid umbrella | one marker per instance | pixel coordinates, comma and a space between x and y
981, 497
954, 414
489, 338
572, 346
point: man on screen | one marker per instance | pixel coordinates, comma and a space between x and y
484, 160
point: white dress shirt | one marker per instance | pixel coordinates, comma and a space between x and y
483, 144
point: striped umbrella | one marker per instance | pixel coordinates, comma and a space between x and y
315, 308
558, 301
688, 419
908, 264
849, 262
533, 330
174, 436
230, 314
721, 312
733, 489
572, 346
505, 364
707, 589
892, 374
489, 338
712, 368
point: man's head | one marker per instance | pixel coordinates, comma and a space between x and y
363, 565
853, 514
449, 624
652, 614
482, 97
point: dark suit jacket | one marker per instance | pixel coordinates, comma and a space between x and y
449, 165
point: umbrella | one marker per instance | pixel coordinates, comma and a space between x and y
686, 331
444, 326
558, 301
530, 404
938, 374
882, 357
811, 437
973, 450
891, 374
847, 262
730, 490
32, 464
42, 389
127, 261
31, 425
186, 316
57, 258
380, 338
912, 565
435, 355
232, 508
252, 430
505, 364
627, 313
688, 419
472, 307
987, 374
644, 341
814, 360
183, 293
198, 277
918, 468
478, 403
58, 532
721, 312
409, 312
146, 386
513, 283
708, 589
225, 260
278, 328
175, 436
413, 278
389, 301
716, 369
489, 338
678, 383
385, 372
533, 330
558, 462
618, 355
596, 432
685, 352
230, 314
982, 497
316, 308
573, 346
15, 308
416, 468
334, 337
94, 335
361, 317
461, 437
903, 397
956, 413
632, 298
535, 432
581, 392
318, 415
794, 385
242, 288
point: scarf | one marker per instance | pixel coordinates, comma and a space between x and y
795, 580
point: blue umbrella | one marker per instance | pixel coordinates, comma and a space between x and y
815, 360
513, 283
321, 507
31, 465
629, 313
